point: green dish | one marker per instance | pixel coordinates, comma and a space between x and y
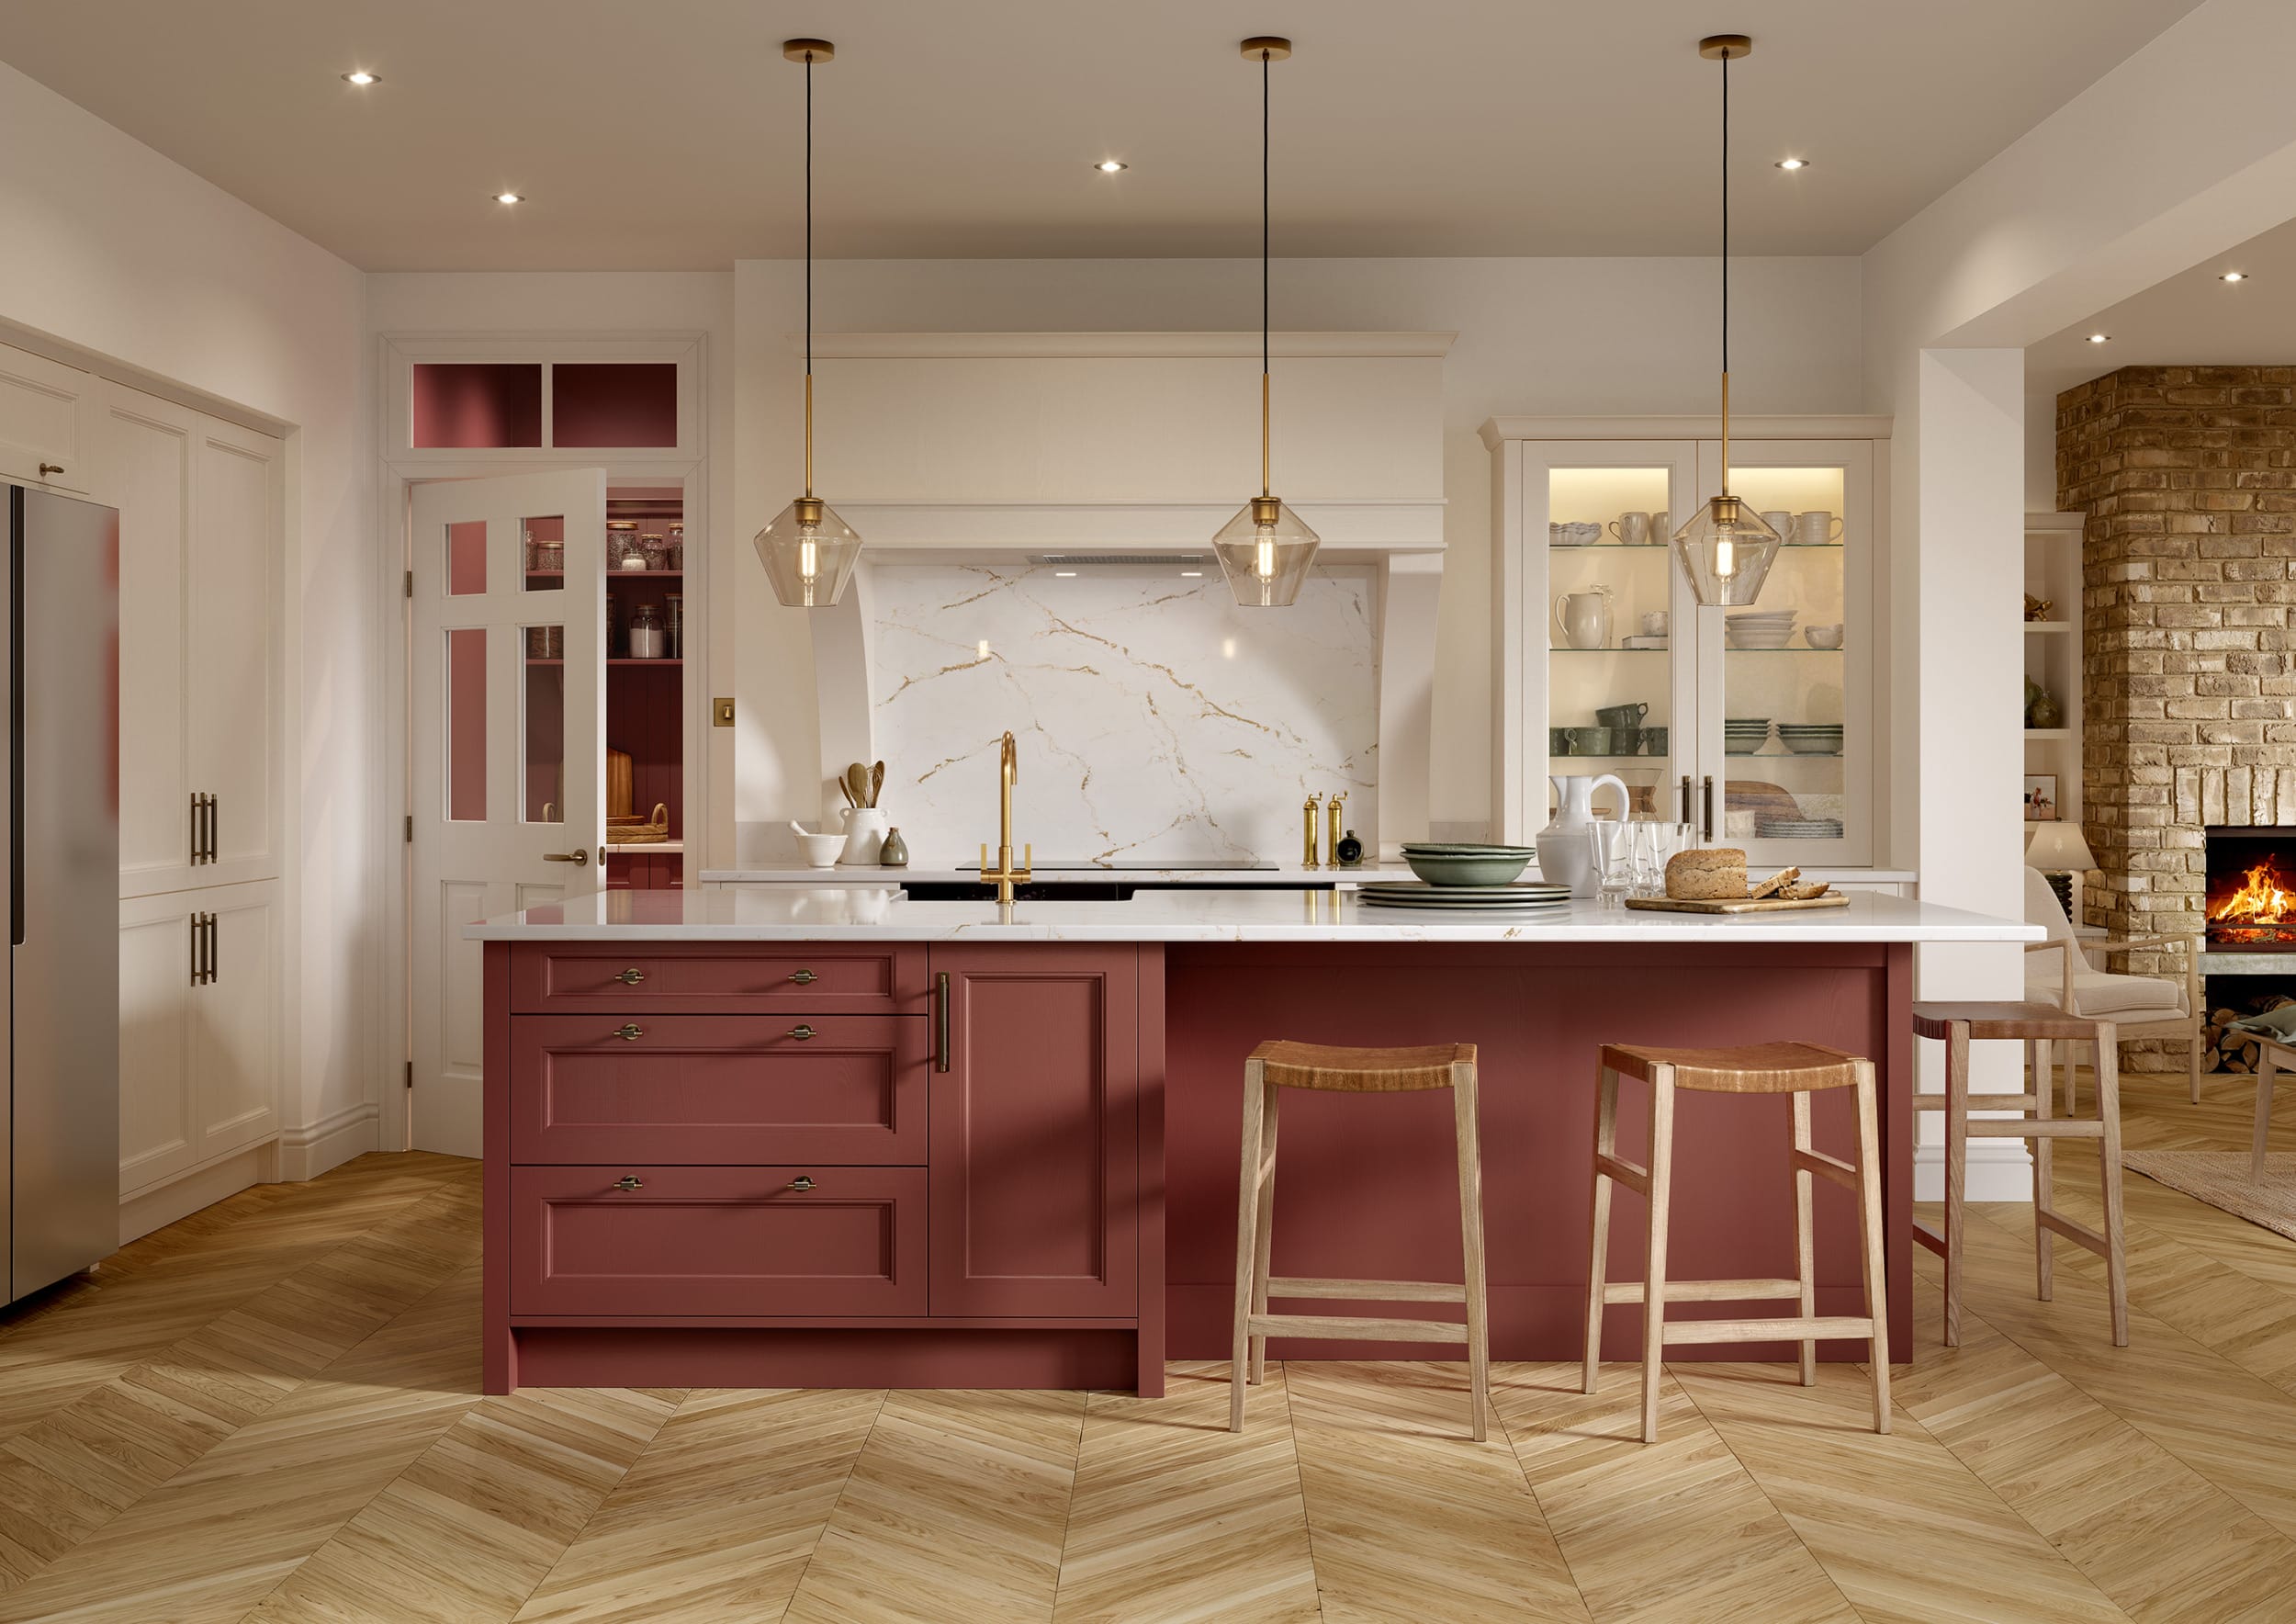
1438, 849
1481, 868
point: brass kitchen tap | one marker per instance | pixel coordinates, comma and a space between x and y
1004, 875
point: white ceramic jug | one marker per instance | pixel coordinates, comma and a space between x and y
864, 835
1565, 855
1583, 618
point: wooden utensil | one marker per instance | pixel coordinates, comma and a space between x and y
857, 783
876, 782
846, 790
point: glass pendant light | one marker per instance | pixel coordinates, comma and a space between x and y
808, 552
1725, 550
1265, 550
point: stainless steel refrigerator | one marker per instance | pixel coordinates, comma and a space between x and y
61, 672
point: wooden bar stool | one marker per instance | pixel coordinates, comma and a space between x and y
1274, 1066
2037, 1026
1799, 1069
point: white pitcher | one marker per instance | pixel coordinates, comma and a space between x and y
1583, 618
1565, 855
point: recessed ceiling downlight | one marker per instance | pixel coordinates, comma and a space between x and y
361, 78
2100, 338
2233, 276
1793, 163
509, 196
1112, 167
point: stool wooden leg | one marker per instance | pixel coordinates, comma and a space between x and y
2109, 1153
2073, 1079
1661, 1165
2266, 1068
1956, 1170
1247, 1214
1463, 1105
1605, 1143
2044, 1156
1805, 1237
1875, 1269
1263, 1229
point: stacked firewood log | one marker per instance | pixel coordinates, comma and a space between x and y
2224, 1047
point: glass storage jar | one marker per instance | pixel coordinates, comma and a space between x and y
655, 550
624, 550
677, 547
674, 605
647, 636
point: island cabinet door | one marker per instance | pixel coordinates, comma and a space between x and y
1034, 1174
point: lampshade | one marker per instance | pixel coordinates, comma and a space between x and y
809, 553
1725, 551
2059, 848
1264, 552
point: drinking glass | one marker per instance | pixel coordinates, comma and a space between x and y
1656, 844
1613, 844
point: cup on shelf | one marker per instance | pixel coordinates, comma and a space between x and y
1558, 742
1631, 529
1654, 740
1815, 528
1662, 526
1780, 521
1622, 716
1654, 623
1823, 637
1588, 742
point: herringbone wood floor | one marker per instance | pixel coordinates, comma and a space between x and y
269, 1412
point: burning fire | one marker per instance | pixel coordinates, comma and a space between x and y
2260, 900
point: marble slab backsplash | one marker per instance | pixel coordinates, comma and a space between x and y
1155, 720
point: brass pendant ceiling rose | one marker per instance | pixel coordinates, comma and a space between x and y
1274, 47
1718, 47
809, 51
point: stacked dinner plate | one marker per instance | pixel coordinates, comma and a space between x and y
1758, 628
1742, 736
1798, 829
1526, 896
1811, 739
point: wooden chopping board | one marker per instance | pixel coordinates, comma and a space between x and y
1743, 906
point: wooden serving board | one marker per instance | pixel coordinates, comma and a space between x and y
1749, 905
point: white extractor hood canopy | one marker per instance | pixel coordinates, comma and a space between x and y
1006, 444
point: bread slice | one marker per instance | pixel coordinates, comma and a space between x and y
1715, 874
1776, 884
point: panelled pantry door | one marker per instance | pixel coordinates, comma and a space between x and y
507, 738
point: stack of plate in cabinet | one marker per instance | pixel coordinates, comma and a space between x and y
1798, 829
1524, 897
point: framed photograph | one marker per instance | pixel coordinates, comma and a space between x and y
2041, 797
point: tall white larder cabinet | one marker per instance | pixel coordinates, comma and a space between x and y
201, 753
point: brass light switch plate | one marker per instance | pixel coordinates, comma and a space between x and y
721, 713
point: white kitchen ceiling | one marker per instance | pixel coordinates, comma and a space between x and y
664, 133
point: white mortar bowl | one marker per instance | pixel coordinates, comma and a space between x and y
1823, 637
821, 850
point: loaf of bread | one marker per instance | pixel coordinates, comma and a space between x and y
1713, 874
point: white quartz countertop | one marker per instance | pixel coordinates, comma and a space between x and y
869, 873
791, 913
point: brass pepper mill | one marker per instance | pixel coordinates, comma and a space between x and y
1331, 827
1307, 832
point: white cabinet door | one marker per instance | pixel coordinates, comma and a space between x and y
159, 1131
235, 1022
506, 736
48, 421
233, 647
201, 553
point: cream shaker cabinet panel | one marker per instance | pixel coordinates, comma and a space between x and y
201, 514
158, 1126
48, 421
235, 1021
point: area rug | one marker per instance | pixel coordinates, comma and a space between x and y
2220, 1179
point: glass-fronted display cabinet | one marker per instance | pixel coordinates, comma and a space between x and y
1753, 722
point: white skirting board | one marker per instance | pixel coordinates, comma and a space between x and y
1999, 1170
162, 1204
308, 1151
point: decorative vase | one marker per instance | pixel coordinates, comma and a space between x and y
1565, 856
865, 836
895, 853
2045, 712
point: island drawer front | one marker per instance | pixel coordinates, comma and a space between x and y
713, 1089
720, 978
709, 1241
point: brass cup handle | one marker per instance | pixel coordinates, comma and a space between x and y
802, 1033
629, 1181
631, 977
804, 977
579, 854
802, 1182
629, 1032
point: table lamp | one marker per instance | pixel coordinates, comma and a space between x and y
2058, 851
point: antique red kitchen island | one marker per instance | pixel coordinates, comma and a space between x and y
785, 1138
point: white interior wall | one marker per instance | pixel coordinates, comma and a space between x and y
121, 252
1555, 335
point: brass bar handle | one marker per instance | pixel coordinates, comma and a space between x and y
941, 1025
629, 1032
1685, 816
215, 827
802, 1183
629, 1181
802, 1033
198, 946
47, 469
1707, 811
579, 854
631, 977
804, 977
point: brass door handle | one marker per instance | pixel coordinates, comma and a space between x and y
941, 1025
628, 1033
802, 1033
579, 854
631, 977
629, 1181
802, 1183
51, 467
804, 977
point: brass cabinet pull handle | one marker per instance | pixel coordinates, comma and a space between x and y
631, 977
51, 467
579, 854
804, 977
802, 1033
629, 1032
629, 1181
802, 1182
941, 1025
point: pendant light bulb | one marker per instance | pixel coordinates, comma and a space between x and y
1265, 550
1725, 550
808, 552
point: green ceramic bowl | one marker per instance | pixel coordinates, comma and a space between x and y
1494, 868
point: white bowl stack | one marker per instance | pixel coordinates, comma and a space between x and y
1759, 628
1742, 736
